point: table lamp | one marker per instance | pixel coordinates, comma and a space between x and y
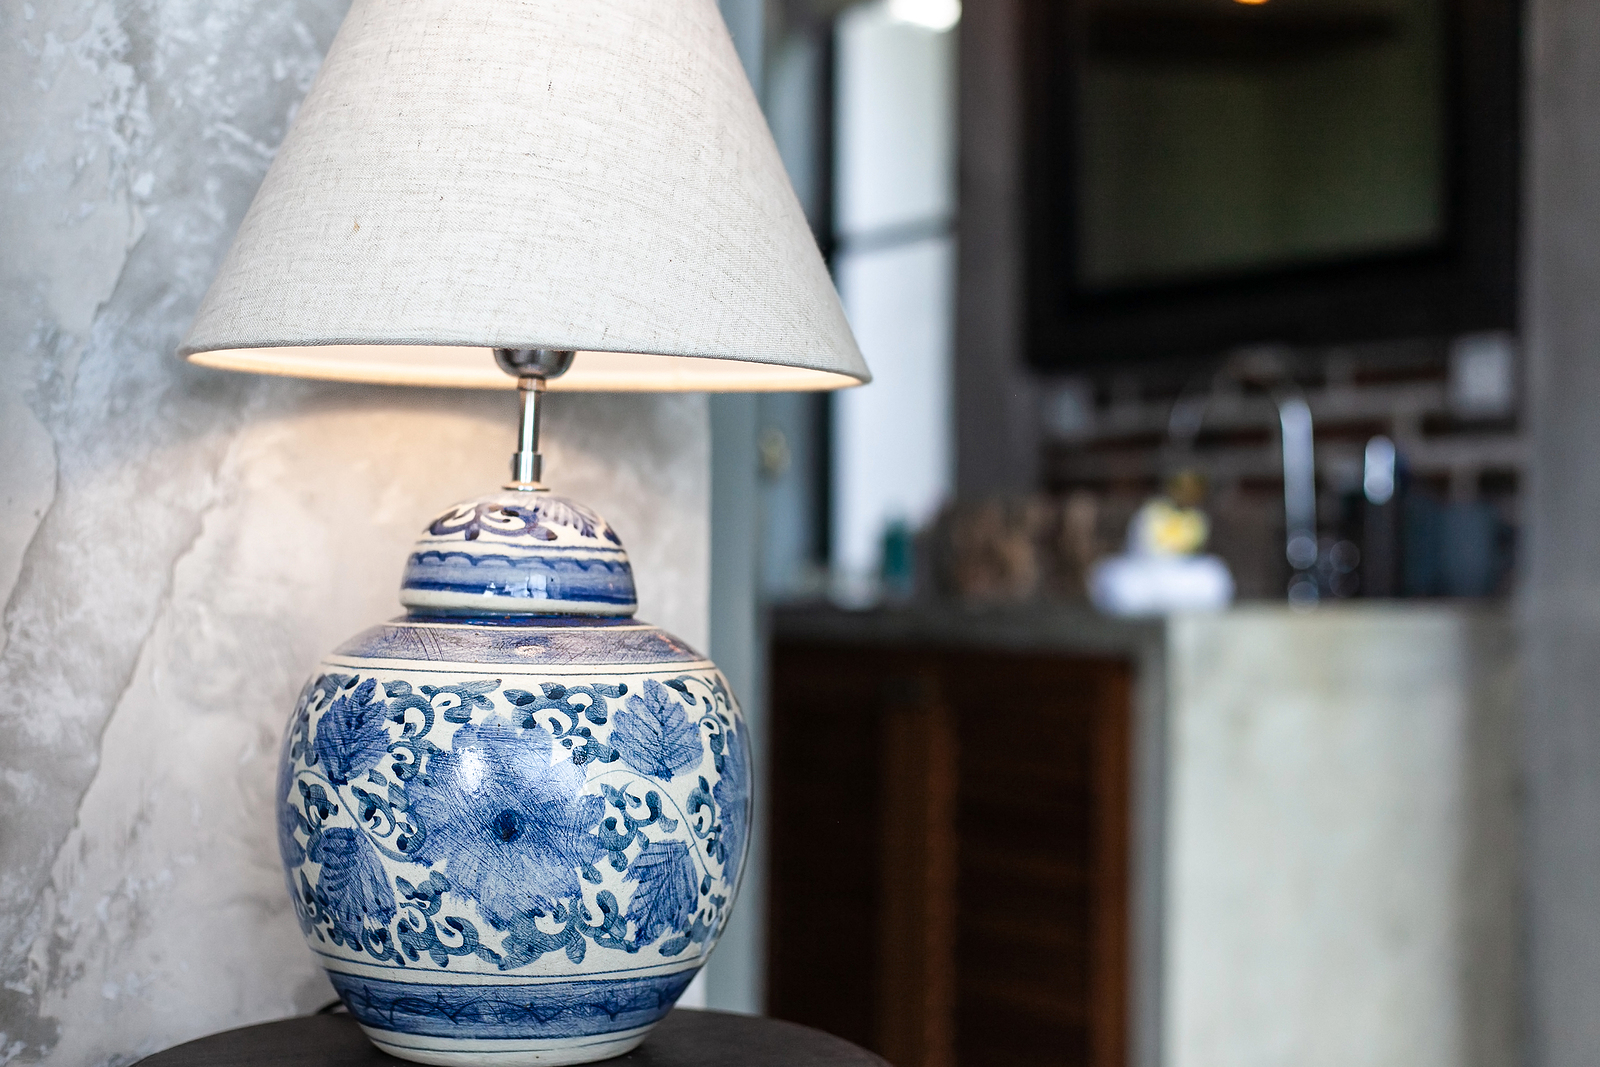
512, 820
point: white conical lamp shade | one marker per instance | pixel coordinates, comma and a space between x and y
592, 175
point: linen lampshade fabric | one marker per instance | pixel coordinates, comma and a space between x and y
592, 175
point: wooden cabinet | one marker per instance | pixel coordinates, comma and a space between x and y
949, 852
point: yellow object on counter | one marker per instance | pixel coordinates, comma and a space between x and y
1163, 528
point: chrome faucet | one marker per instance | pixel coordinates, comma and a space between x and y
1299, 482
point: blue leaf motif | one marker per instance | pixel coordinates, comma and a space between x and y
666, 895
290, 821
654, 735
350, 735
352, 888
732, 793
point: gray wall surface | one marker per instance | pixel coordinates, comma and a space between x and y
996, 401
733, 979
179, 546
1561, 593
735, 976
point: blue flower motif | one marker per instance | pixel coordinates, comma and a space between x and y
732, 793
666, 895
352, 888
510, 826
654, 735
350, 735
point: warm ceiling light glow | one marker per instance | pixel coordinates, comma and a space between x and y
936, 15
1252, 3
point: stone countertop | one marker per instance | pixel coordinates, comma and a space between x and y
1078, 627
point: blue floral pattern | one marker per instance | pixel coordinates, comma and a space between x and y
436, 821
510, 828
536, 518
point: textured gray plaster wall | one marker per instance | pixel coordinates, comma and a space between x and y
178, 546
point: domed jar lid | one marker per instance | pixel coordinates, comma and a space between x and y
519, 553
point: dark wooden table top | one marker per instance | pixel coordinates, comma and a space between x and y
683, 1039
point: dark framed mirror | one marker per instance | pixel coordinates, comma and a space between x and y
1201, 174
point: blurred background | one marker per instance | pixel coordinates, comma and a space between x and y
1211, 208
1155, 620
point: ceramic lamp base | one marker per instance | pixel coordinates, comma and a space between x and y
514, 839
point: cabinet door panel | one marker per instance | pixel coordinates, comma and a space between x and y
949, 853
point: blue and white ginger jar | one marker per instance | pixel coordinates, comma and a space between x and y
512, 821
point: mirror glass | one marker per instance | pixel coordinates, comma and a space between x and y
1220, 137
